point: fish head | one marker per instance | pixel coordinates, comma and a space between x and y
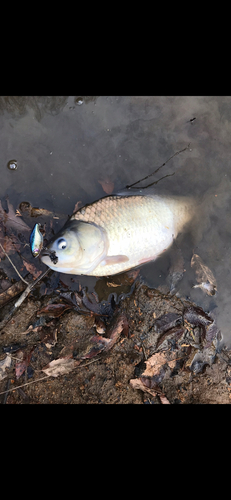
77, 249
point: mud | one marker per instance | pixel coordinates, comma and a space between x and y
196, 367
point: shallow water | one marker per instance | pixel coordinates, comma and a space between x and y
64, 145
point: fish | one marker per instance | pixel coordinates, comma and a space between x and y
117, 233
36, 241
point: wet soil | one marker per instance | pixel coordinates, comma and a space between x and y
193, 367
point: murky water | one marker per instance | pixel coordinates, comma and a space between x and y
63, 146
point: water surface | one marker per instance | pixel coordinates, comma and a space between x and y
64, 145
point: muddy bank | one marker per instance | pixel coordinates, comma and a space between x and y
151, 347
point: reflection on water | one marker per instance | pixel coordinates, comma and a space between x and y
64, 145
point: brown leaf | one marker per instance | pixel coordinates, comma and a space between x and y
204, 276
53, 310
11, 220
167, 322
107, 185
60, 366
175, 333
24, 362
155, 362
32, 269
48, 335
153, 374
197, 317
113, 285
28, 210
137, 384
9, 242
119, 325
164, 400
77, 206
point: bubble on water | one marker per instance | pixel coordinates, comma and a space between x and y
79, 101
12, 165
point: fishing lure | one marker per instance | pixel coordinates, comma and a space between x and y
36, 240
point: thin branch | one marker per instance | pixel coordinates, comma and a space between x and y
29, 288
23, 385
18, 273
157, 170
21, 299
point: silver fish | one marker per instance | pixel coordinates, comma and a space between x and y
117, 233
36, 241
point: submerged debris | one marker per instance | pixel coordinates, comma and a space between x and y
107, 185
205, 278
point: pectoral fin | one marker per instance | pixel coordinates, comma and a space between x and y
114, 259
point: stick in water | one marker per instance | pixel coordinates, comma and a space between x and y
157, 170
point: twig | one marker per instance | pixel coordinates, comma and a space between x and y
89, 363
18, 273
42, 378
23, 385
21, 299
157, 170
11, 292
29, 288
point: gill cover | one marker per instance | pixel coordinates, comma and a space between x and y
79, 246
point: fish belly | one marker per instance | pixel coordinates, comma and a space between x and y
138, 228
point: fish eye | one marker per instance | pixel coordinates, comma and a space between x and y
61, 243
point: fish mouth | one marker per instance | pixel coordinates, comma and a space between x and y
45, 253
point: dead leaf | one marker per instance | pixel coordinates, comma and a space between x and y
119, 325
175, 333
197, 317
167, 322
107, 185
9, 242
153, 374
53, 310
5, 364
28, 210
32, 269
137, 384
48, 335
204, 276
155, 362
164, 400
113, 285
77, 206
21, 366
10, 219
60, 366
